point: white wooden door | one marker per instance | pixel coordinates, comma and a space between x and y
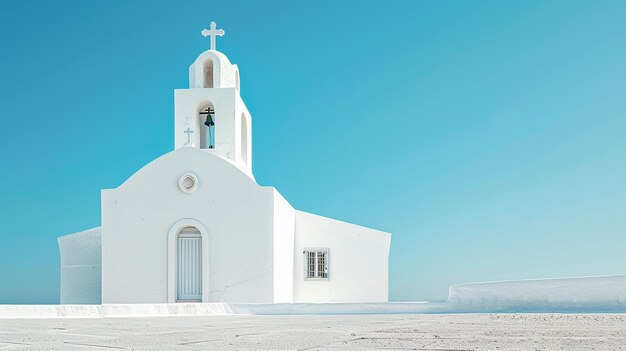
189, 272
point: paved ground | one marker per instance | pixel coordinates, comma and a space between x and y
389, 332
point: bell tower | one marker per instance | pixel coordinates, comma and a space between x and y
210, 115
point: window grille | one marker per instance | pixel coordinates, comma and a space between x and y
316, 263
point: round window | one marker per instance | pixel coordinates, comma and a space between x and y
188, 182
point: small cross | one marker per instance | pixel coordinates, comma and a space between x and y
214, 32
188, 132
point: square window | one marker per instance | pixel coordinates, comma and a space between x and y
316, 263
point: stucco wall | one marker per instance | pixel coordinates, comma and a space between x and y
358, 261
284, 236
80, 267
137, 216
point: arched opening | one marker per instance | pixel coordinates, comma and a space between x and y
189, 265
244, 139
182, 228
208, 74
237, 80
206, 125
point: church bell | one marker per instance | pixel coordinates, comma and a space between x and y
209, 120
209, 112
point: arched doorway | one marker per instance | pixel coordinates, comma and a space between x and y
189, 265
188, 262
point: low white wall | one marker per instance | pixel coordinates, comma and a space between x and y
602, 293
207, 309
357, 261
81, 259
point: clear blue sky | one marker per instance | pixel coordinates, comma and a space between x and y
488, 136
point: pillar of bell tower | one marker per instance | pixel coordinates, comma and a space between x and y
213, 96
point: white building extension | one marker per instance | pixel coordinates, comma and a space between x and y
193, 225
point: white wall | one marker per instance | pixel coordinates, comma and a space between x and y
358, 261
80, 267
284, 236
137, 216
602, 293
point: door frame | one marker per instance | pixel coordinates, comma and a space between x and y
172, 257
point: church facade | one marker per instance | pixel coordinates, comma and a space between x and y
194, 226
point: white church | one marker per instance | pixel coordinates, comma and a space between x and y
194, 225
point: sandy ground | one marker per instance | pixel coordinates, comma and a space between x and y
355, 332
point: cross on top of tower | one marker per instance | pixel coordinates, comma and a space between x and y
213, 32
